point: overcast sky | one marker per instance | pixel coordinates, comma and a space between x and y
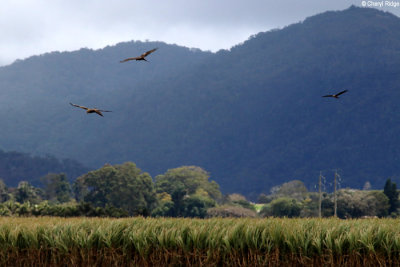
32, 27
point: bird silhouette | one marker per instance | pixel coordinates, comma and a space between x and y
141, 57
336, 95
91, 110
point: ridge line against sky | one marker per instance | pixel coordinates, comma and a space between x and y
33, 27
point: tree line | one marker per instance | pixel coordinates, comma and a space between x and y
115, 190
123, 190
292, 199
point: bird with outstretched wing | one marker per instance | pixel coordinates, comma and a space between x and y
336, 95
91, 110
141, 57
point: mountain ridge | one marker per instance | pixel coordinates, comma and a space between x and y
252, 114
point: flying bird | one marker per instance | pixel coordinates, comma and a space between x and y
91, 110
336, 95
141, 57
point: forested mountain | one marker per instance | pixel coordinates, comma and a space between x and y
16, 166
252, 116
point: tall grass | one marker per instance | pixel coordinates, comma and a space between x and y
49, 241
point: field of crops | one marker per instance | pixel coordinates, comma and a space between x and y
49, 241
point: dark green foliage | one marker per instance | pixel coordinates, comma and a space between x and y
183, 205
122, 186
359, 203
196, 206
163, 209
123, 190
310, 206
190, 179
25, 192
4, 195
56, 187
327, 207
190, 191
390, 190
177, 197
282, 207
72, 209
16, 167
378, 204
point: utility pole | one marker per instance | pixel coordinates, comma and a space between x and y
334, 195
320, 195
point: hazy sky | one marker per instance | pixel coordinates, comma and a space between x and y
32, 27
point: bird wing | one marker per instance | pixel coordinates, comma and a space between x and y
142, 56
104, 110
327, 96
85, 108
342, 92
148, 52
131, 58
98, 112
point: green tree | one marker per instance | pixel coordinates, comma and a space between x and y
191, 178
327, 207
123, 186
180, 204
357, 203
164, 205
56, 187
390, 190
79, 189
282, 207
4, 195
310, 205
26, 192
178, 196
293, 189
378, 203
163, 209
190, 190
197, 206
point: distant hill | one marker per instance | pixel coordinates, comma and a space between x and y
16, 167
253, 116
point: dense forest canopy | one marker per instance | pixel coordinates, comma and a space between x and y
17, 166
252, 116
